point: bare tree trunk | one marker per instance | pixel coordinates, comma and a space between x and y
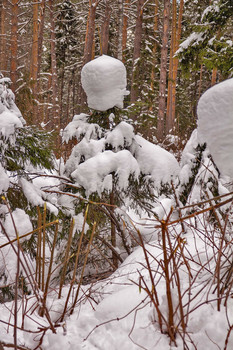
156, 22
200, 82
90, 31
215, 70
55, 120
120, 29
169, 120
40, 34
89, 43
3, 59
105, 29
125, 27
34, 57
163, 73
40, 110
172, 112
214, 76
14, 42
137, 50
113, 230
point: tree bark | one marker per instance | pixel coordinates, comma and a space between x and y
34, 57
113, 230
89, 44
175, 68
125, 27
105, 29
163, 73
171, 74
214, 76
55, 120
137, 50
3, 60
90, 31
40, 110
14, 42
156, 23
120, 29
40, 34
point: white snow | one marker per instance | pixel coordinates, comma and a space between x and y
78, 223
215, 124
32, 193
121, 136
116, 313
20, 220
193, 40
95, 174
8, 123
4, 180
155, 161
80, 127
104, 81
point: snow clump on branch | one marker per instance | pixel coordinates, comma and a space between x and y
104, 81
215, 124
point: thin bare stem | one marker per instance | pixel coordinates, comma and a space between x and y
83, 269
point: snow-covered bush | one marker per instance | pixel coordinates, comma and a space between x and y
110, 161
23, 150
206, 164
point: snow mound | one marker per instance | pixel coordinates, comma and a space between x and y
8, 123
104, 81
121, 136
95, 174
4, 180
215, 124
155, 161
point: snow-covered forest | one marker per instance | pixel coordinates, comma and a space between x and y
116, 172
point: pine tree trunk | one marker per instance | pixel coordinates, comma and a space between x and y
171, 74
113, 230
215, 69
55, 120
163, 73
137, 51
34, 60
214, 76
125, 27
105, 29
120, 29
34, 56
40, 34
176, 61
90, 31
89, 44
200, 82
156, 22
14, 42
40, 109
3, 58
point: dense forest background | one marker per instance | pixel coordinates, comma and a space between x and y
44, 45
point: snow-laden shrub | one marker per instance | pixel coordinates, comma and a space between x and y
110, 163
23, 150
108, 148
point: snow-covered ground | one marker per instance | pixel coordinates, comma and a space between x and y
118, 313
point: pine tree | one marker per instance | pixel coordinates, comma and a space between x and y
110, 163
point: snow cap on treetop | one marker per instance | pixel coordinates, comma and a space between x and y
104, 82
215, 124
